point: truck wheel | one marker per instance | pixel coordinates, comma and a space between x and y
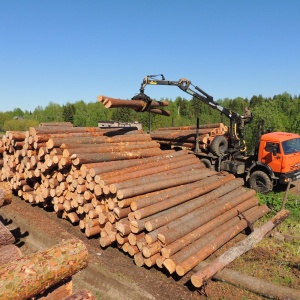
260, 182
219, 145
207, 163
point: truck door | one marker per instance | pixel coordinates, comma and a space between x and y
271, 155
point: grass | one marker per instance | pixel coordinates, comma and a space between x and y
274, 201
276, 257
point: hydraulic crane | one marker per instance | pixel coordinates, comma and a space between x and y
273, 162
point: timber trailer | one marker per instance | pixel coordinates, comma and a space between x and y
276, 159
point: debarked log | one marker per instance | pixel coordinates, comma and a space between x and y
21, 279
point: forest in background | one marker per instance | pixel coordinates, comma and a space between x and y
280, 113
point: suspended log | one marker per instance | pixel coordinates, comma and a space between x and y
239, 249
19, 279
137, 105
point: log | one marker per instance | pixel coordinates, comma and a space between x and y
81, 295
58, 291
214, 125
5, 193
137, 105
56, 124
9, 253
21, 279
171, 182
206, 250
102, 157
6, 236
239, 249
131, 103
253, 284
159, 111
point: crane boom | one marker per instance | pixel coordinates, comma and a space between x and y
184, 84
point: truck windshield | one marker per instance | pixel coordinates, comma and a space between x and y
291, 146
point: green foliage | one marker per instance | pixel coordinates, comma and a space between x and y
68, 112
19, 124
280, 113
274, 201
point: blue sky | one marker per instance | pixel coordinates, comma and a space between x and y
70, 50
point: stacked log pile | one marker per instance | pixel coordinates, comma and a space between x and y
186, 136
163, 208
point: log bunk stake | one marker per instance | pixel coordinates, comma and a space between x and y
163, 208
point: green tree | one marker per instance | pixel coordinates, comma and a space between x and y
19, 124
81, 114
68, 112
53, 113
4, 116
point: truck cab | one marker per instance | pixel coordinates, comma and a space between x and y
278, 161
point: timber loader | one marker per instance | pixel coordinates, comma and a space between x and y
276, 159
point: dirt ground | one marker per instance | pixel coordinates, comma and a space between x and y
111, 274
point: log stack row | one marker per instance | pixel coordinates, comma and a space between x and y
163, 208
187, 136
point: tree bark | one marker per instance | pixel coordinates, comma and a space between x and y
81, 295
9, 253
6, 236
31, 275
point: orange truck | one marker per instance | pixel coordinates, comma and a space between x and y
276, 159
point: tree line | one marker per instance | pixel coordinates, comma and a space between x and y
279, 113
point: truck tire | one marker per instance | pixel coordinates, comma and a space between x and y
207, 163
219, 145
261, 182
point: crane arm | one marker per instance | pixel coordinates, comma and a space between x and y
196, 92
